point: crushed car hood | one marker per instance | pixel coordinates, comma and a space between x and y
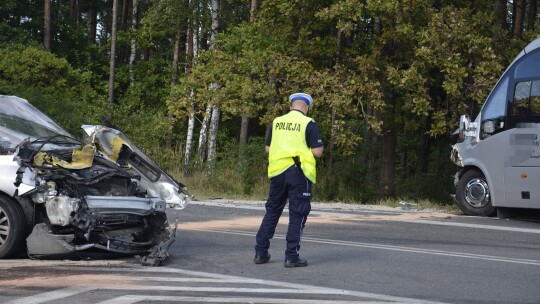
117, 147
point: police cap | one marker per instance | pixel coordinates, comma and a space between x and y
301, 96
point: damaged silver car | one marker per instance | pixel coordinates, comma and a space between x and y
60, 196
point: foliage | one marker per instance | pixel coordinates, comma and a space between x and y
51, 84
408, 68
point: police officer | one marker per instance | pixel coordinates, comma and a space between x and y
292, 146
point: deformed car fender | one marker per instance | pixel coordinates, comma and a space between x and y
115, 145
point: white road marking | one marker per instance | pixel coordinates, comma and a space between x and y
205, 277
343, 214
131, 299
478, 226
52, 295
394, 248
290, 288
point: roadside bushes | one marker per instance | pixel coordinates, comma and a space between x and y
50, 84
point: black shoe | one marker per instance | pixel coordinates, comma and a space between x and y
297, 263
261, 259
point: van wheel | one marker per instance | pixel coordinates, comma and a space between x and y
12, 227
472, 193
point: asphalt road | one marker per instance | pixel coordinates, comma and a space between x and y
356, 255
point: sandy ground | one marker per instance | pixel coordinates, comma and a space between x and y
328, 215
330, 206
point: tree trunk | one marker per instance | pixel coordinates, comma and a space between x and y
519, 8
203, 133
125, 4
146, 54
189, 144
331, 143
368, 150
533, 11
216, 112
93, 23
190, 49
176, 56
180, 34
195, 42
387, 171
422, 162
133, 52
244, 123
499, 10
47, 24
113, 52
333, 115
212, 140
191, 121
253, 9
124, 49
215, 20
74, 11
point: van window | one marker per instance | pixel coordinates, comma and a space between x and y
529, 67
526, 101
494, 111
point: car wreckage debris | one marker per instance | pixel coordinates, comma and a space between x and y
66, 196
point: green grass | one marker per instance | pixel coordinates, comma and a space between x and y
247, 180
229, 184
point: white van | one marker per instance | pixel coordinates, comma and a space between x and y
499, 153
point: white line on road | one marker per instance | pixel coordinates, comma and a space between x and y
195, 276
131, 299
52, 295
320, 291
478, 226
287, 287
343, 214
394, 248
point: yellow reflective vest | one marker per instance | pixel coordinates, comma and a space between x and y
289, 140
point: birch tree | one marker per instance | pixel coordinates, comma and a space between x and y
203, 132
216, 111
133, 48
192, 51
113, 51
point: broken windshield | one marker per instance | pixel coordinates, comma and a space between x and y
20, 120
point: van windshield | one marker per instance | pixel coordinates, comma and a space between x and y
494, 111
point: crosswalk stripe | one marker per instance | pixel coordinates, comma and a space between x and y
52, 295
286, 287
140, 274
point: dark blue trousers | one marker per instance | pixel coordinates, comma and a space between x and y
291, 184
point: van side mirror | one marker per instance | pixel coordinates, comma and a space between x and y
464, 122
488, 127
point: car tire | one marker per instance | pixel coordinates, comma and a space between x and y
472, 194
12, 227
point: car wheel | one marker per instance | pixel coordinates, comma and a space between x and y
472, 193
12, 227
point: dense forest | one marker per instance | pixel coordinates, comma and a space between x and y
195, 83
